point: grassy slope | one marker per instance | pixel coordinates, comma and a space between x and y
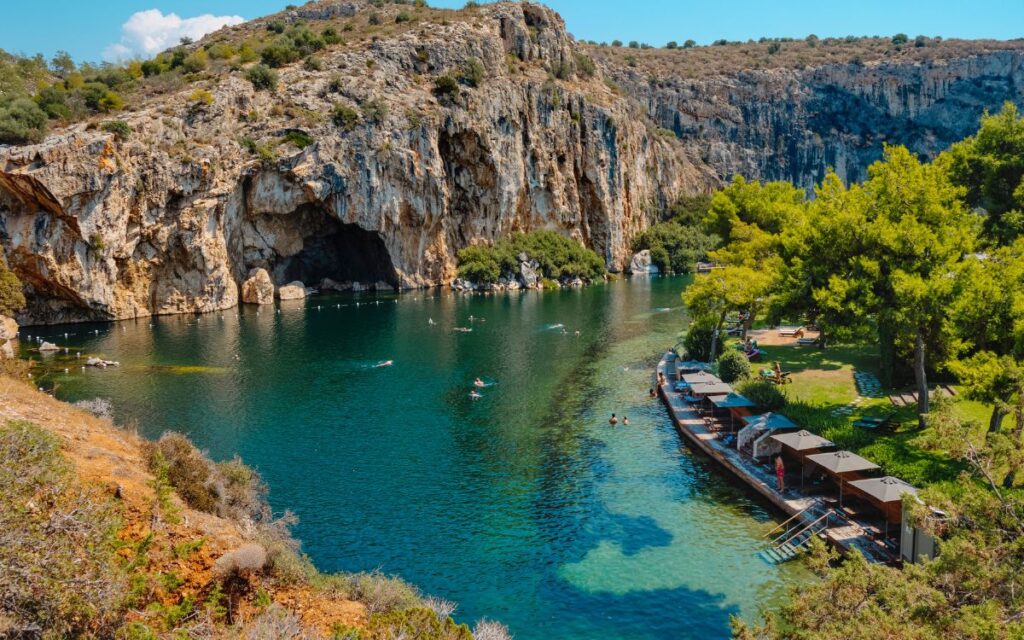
153, 558
823, 381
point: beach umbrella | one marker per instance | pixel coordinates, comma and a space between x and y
839, 463
802, 440
886, 491
692, 366
710, 389
700, 377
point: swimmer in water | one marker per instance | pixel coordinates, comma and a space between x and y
479, 383
475, 395
625, 421
613, 420
386, 363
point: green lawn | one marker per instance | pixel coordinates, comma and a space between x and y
823, 382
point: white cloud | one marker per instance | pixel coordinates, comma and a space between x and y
149, 32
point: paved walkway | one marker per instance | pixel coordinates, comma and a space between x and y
760, 478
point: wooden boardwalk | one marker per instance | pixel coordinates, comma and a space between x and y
760, 478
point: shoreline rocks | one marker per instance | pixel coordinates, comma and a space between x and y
258, 288
292, 291
641, 264
8, 333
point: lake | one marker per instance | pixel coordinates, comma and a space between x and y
523, 506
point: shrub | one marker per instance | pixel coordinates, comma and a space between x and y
300, 139
58, 568
689, 44
262, 77
585, 66
766, 395
221, 51
188, 471
473, 72
733, 366
201, 96
698, 341
311, 64
416, 623
374, 19
900, 38
447, 86
274, 623
344, 117
490, 630
275, 26
21, 121
12, 299
248, 558
330, 36
479, 264
672, 44
381, 593
374, 110
403, 16
675, 248
98, 407
196, 61
279, 53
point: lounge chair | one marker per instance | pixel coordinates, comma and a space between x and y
807, 342
791, 332
874, 424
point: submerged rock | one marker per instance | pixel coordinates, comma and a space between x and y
258, 288
48, 346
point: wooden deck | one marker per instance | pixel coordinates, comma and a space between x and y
760, 478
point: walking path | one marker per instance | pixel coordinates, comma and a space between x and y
807, 509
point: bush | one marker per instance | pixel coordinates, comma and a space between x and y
447, 86
201, 96
490, 630
344, 117
479, 264
675, 248
196, 61
900, 38
248, 558
262, 77
330, 36
374, 110
382, 594
12, 299
300, 139
585, 66
733, 366
279, 53
698, 341
473, 72
403, 16
416, 623
58, 568
766, 395
228, 489
21, 121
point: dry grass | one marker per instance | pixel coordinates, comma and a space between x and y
699, 62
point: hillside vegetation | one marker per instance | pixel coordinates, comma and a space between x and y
105, 536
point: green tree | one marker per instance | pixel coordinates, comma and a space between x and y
990, 166
21, 121
12, 299
723, 291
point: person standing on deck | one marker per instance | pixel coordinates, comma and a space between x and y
780, 473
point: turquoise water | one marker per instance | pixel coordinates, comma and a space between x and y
524, 506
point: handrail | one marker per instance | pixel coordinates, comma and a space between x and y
804, 530
790, 519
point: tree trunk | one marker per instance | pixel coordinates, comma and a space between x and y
921, 379
886, 352
995, 423
714, 337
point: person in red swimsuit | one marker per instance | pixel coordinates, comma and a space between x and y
780, 473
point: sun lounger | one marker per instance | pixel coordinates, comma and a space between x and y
807, 342
873, 423
788, 332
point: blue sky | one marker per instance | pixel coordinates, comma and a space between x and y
88, 29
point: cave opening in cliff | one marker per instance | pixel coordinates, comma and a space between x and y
341, 252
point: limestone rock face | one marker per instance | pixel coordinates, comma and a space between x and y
174, 217
641, 264
793, 124
258, 288
292, 291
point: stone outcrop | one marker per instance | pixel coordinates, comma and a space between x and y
641, 264
292, 291
8, 333
258, 288
174, 217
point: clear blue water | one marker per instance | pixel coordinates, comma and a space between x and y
524, 506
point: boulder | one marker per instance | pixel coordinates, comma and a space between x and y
641, 264
292, 291
48, 346
258, 288
8, 328
528, 275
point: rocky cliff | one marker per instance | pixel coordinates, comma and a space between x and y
794, 123
172, 215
